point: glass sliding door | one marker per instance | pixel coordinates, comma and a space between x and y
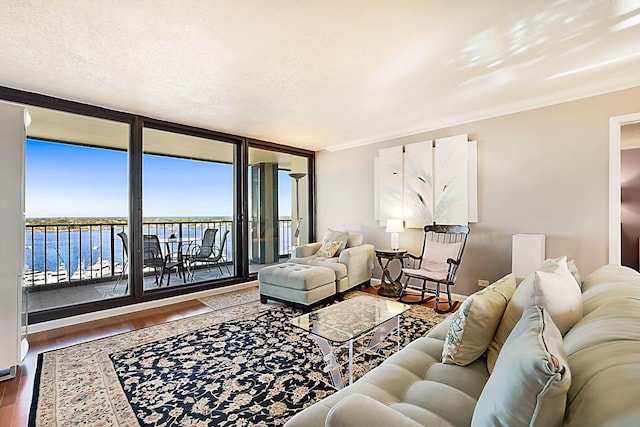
188, 209
278, 206
76, 202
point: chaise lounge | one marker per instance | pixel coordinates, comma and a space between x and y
319, 271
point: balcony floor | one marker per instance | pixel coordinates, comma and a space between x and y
72, 295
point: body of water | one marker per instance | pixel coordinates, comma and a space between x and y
74, 249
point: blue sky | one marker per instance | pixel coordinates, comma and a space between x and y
76, 181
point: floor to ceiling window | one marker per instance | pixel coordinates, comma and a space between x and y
278, 205
76, 205
122, 209
189, 203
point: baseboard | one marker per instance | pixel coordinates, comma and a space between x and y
117, 311
455, 297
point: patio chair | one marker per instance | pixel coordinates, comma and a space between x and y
201, 252
125, 263
437, 265
216, 256
152, 257
220, 258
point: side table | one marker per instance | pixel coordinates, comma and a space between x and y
390, 287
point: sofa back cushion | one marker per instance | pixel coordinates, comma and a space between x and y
604, 351
476, 321
529, 384
355, 239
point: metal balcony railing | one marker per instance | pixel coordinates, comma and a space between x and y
69, 254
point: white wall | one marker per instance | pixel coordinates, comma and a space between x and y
543, 171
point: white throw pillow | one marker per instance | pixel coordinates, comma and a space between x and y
553, 287
437, 253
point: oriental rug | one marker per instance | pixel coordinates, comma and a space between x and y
242, 364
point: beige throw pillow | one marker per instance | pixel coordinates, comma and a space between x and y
328, 248
337, 236
529, 385
475, 322
553, 287
436, 255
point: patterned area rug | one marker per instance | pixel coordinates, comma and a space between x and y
240, 365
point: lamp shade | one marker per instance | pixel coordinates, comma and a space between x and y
395, 226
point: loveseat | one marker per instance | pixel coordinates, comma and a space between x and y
588, 376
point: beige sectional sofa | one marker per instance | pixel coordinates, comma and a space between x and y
588, 377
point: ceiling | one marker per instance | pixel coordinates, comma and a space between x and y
320, 74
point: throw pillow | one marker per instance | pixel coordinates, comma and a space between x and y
329, 248
571, 265
436, 255
529, 384
337, 236
553, 287
355, 239
476, 321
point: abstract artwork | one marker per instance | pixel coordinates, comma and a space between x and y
418, 184
451, 160
428, 182
390, 183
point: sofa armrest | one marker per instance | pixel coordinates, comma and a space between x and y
360, 410
307, 249
359, 262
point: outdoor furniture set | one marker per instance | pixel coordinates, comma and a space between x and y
181, 254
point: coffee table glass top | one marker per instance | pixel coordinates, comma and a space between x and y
349, 319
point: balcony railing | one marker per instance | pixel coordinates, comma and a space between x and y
60, 255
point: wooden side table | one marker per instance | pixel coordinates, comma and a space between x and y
390, 287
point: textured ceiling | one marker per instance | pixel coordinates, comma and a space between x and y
320, 74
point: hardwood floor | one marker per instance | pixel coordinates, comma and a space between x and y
15, 394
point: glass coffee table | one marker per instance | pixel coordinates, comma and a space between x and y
348, 320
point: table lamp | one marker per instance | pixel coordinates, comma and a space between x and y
395, 226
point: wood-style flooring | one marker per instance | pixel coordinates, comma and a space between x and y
15, 394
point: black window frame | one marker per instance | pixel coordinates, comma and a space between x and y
135, 153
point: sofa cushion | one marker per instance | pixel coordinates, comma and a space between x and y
413, 383
476, 321
339, 236
553, 287
529, 384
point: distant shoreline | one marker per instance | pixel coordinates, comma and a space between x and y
80, 222
116, 219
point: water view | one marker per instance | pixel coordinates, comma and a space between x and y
59, 250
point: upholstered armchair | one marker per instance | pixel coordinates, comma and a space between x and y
352, 260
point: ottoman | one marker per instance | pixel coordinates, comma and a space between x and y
296, 284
